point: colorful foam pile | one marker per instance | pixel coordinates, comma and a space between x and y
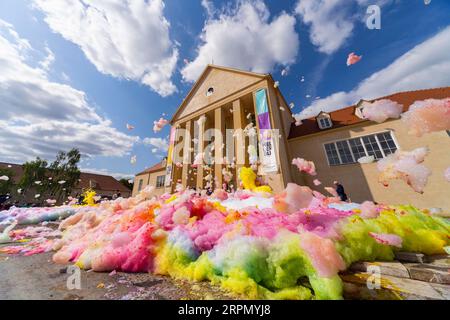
35, 215
254, 244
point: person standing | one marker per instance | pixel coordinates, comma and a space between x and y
340, 191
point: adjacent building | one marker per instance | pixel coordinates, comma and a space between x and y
153, 176
225, 99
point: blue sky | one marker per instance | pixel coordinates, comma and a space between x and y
76, 74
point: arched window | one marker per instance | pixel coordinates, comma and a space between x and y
210, 92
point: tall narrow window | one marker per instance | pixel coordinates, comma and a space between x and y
387, 143
332, 155
140, 184
344, 152
373, 149
357, 148
160, 181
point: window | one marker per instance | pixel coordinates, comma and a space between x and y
373, 149
140, 185
357, 148
160, 181
387, 143
210, 92
349, 151
332, 155
324, 122
344, 152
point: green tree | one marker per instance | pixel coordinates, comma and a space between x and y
126, 183
56, 180
6, 186
64, 174
34, 171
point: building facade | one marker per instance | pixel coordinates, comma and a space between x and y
153, 176
336, 149
225, 100
212, 121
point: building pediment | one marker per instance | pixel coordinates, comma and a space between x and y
215, 84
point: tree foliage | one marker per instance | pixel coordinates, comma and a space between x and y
33, 172
6, 186
52, 181
64, 173
126, 183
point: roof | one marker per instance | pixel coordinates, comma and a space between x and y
211, 66
157, 167
102, 182
346, 116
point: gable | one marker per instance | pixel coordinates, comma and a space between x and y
224, 81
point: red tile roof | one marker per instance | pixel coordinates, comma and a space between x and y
345, 117
157, 167
98, 181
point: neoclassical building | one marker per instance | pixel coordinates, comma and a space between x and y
225, 104
214, 120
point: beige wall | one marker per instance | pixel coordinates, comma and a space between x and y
361, 181
149, 179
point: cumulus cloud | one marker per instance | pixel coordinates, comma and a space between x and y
332, 22
160, 144
39, 117
125, 39
49, 59
244, 37
425, 66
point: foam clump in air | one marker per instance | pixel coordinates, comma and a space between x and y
428, 116
369, 210
406, 166
305, 166
381, 110
293, 198
198, 160
353, 59
366, 159
159, 125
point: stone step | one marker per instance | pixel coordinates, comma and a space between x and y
390, 287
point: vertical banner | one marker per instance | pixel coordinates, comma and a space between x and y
267, 146
168, 181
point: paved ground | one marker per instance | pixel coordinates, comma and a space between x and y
37, 277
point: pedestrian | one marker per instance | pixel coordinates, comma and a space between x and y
80, 199
340, 191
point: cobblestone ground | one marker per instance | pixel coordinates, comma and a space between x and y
37, 277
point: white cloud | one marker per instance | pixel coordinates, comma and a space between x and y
39, 117
425, 66
332, 21
209, 7
159, 144
125, 39
65, 77
244, 37
49, 59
